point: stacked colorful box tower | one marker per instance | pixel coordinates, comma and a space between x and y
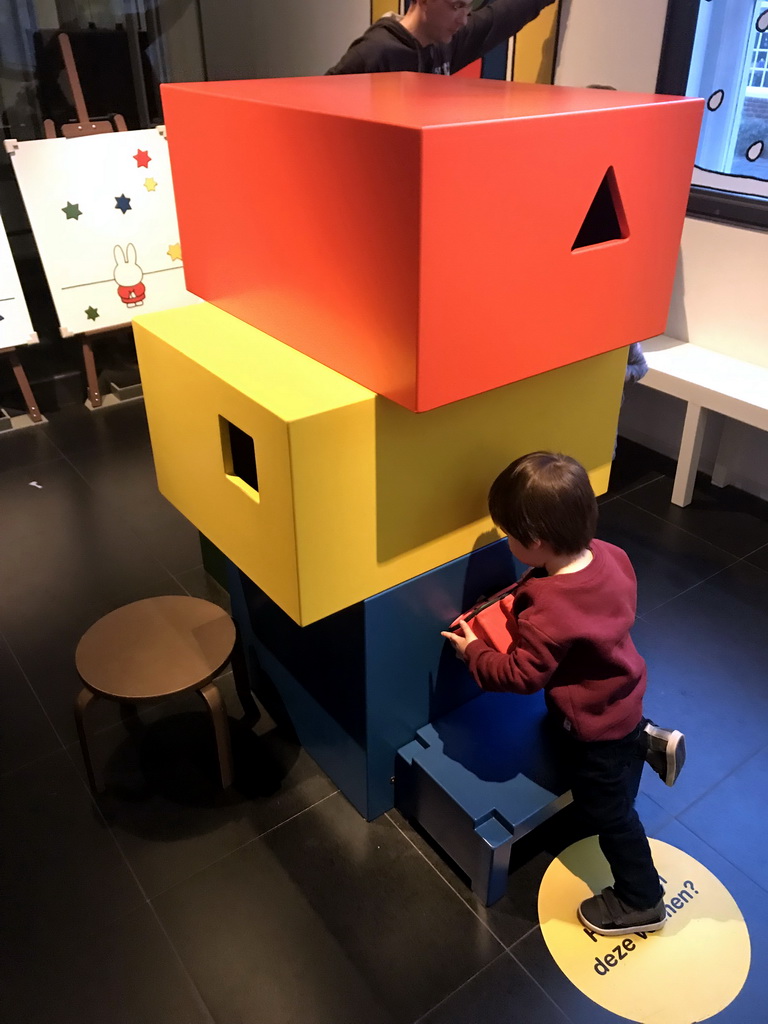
409, 281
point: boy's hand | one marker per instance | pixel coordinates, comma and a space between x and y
460, 642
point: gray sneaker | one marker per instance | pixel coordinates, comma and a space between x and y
666, 752
607, 914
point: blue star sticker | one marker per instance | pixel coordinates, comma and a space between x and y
122, 203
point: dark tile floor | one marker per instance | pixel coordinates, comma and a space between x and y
170, 903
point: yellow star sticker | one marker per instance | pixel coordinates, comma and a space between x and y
150, 184
174, 251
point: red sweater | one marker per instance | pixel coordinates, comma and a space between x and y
572, 639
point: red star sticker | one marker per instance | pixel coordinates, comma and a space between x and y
142, 158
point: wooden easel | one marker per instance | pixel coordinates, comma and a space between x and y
22, 380
85, 125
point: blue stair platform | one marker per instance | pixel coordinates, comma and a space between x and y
478, 779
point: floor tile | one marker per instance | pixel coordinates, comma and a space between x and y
163, 799
28, 446
736, 807
706, 655
125, 486
634, 466
725, 517
759, 558
329, 919
666, 559
532, 954
68, 876
111, 428
25, 732
126, 974
503, 993
57, 538
749, 1007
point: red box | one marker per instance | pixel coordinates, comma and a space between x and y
416, 232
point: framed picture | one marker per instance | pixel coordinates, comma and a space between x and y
103, 215
15, 322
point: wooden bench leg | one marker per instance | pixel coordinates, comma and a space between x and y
212, 697
84, 698
690, 450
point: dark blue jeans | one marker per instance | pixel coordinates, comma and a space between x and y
605, 777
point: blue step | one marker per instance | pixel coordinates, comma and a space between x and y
478, 779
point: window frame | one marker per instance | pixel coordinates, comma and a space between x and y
674, 68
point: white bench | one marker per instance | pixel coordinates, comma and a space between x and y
709, 382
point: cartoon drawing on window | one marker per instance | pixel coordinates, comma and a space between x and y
729, 67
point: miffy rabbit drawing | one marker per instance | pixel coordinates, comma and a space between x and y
128, 275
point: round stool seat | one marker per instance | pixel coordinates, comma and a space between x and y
155, 648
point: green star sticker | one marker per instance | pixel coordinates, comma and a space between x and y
72, 210
91, 313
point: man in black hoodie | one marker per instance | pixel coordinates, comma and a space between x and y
436, 36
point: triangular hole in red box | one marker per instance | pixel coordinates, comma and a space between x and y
605, 220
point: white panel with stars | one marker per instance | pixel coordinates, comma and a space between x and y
15, 323
104, 218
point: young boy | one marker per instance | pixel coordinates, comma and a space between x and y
573, 611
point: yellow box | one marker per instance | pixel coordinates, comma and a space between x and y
353, 494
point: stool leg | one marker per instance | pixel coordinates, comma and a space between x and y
84, 698
129, 716
212, 697
242, 683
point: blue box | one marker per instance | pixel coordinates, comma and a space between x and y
359, 684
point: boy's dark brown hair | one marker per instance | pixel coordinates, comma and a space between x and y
548, 497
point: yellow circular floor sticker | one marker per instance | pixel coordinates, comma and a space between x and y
689, 971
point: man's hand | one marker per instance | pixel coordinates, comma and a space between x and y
460, 642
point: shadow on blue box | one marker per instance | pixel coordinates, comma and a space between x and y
358, 685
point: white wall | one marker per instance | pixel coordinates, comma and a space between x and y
278, 38
718, 300
610, 42
182, 41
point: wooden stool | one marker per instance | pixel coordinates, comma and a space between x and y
153, 649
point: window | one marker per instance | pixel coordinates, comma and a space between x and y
718, 49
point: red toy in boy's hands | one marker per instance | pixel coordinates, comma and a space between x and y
491, 620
